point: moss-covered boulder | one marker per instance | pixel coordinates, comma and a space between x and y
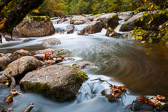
60, 83
35, 26
21, 66
146, 20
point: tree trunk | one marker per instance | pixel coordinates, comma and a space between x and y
18, 13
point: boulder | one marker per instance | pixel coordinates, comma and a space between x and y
61, 83
51, 41
34, 27
83, 64
21, 66
141, 107
19, 53
143, 19
130, 24
109, 20
93, 27
70, 28
4, 61
79, 19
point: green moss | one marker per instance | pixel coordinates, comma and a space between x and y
81, 76
39, 18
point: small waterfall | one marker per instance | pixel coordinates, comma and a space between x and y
117, 29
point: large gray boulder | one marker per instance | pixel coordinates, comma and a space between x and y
93, 27
51, 41
34, 27
61, 83
21, 66
109, 20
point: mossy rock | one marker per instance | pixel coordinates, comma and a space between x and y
60, 83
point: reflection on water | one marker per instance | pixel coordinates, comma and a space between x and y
120, 59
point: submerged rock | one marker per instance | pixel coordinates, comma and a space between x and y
21, 66
35, 26
51, 41
58, 82
83, 64
94, 27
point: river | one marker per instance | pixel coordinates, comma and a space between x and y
142, 68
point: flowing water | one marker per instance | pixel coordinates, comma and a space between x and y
142, 68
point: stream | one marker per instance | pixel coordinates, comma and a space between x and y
142, 68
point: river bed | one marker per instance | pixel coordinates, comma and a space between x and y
140, 67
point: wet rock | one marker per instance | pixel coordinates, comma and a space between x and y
130, 24
70, 29
34, 27
110, 33
141, 106
58, 82
41, 53
4, 61
51, 41
79, 19
55, 51
61, 20
18, 54
84, 64
125, 15
93, 27
78, 22
21, 66
109, 20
